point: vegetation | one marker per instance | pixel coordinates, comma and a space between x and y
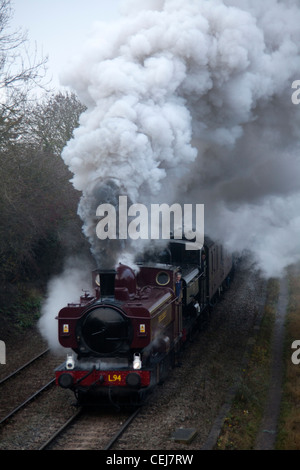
21, 71
289, 422
242, 423
38, 204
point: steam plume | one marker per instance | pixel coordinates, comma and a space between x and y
190, 101
62, 290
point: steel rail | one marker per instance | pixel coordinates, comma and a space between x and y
122, 429
60, 430
24, 366
28, 400
76, 415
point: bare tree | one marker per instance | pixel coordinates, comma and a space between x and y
50, 122
20, 72
38, 204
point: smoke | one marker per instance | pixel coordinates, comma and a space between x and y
63, 289
190, 101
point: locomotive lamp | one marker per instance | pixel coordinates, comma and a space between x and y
70, 362
137, 362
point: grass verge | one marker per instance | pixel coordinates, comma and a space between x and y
241, 426
288, 437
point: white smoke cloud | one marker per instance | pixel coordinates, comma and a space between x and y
191, 101
63, 289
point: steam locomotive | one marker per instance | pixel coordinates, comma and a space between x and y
127, 336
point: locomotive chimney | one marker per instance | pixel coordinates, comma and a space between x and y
120, 284
104, 282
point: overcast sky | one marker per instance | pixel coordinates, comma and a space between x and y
58, 27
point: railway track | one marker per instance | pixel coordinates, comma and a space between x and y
57, 433
24, 394
24, 366
22, 386
28, 400
90, 429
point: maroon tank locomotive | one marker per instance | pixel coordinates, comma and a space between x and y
128, 335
